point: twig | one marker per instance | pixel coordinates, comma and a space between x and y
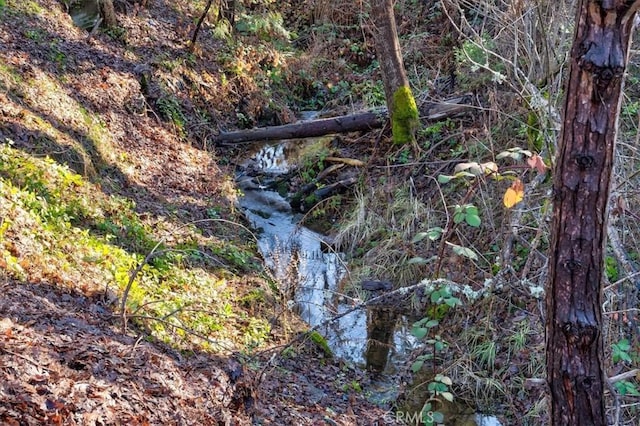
132, 277
198, 25
24, 357
534, 381
179, 327
619, 253
624, 376
94, 30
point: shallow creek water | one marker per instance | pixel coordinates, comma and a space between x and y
300, 260
85, 13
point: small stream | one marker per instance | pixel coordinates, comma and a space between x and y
310, 272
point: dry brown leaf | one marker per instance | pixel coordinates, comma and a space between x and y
536, 162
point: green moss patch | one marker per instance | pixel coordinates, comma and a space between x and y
404, 116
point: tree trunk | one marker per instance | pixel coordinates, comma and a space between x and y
581, 191
194, 38
108, 13
306, 129
400, 101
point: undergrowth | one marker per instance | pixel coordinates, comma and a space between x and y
56, 227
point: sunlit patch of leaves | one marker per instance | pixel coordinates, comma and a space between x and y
60, 228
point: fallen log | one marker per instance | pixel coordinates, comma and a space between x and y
347, 123
311, 193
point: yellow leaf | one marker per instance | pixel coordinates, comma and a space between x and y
514, 194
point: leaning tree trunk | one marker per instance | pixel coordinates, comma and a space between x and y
581, 190
401, 104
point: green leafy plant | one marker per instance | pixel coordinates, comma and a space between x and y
171, 110
372, 93
611, 268
432, 133
477, 55
443, 296
403, 156
58, 56
33, 34
117, 33
420, 330
353, 385
621, 351
257, 331
625, 387
472, 174
62, 213
439, 386
432, 234
321, 343
268, 26
467, 213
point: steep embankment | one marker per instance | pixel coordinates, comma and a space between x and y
106, 192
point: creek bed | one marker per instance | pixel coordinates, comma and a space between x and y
307, 269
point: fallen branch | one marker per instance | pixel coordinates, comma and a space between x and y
317, 193
536, 381
155, 251
343, 124
348, 161
625, 376
375, 301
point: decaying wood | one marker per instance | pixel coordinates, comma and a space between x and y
327, 190
348, 161
317, 194
343, 124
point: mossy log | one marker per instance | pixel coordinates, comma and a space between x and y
343, 124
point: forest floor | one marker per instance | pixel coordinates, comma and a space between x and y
65, 361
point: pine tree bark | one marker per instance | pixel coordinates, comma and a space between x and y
575, 369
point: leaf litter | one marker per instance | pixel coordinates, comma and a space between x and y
63, 358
